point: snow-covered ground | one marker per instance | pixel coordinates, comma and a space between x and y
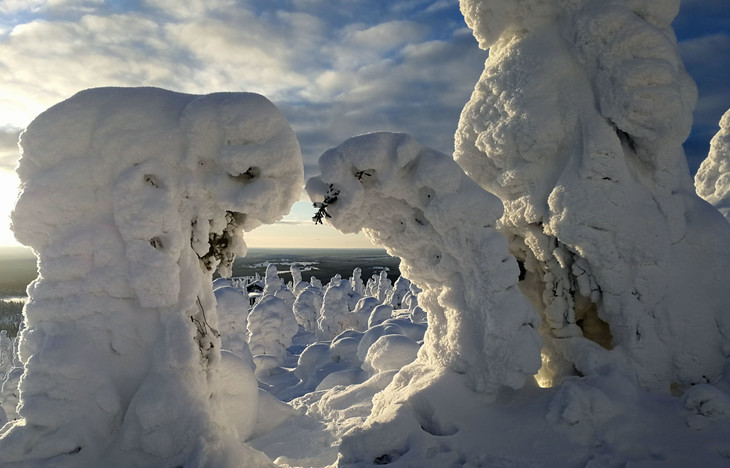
564, 296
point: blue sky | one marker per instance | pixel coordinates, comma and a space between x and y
335, 68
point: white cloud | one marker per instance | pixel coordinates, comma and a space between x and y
385, 36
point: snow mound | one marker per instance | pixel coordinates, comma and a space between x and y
238, 395
131, 198
390, 352
713, 177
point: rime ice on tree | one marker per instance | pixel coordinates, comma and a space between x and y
131, 198
577, 124
420, 205
713, 178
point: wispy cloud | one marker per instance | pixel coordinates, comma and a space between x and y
336, 69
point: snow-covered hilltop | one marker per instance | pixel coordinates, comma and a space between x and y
131, 198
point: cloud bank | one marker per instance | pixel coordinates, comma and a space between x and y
335, 69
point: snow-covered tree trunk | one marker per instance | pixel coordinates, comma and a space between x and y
131, 198
577, 124
713, 177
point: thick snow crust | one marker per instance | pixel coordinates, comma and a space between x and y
713, 177
576, 124
131, 198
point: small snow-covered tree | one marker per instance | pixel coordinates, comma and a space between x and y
356, 281
271, 327
307, 307
335, 315
713, 177
401, 288
272, 281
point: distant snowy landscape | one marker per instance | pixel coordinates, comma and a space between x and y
561, 296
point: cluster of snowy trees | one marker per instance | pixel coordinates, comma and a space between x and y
270, 330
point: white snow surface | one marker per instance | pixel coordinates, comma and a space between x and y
712, 180
131, 198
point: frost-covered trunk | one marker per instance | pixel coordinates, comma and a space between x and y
131, 198
577, 124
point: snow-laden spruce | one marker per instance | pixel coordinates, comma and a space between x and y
421, 207
713, 177
577, 124
131, 198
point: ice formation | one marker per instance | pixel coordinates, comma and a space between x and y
131, 198
576, 124
420, 205
713, 177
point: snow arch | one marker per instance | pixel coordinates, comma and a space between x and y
131, 198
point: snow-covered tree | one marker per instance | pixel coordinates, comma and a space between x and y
356, 281
421, 207
131, 198
307, 306
335, 315
577, 125
271, 327
401, 289
713, 177
272, 282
